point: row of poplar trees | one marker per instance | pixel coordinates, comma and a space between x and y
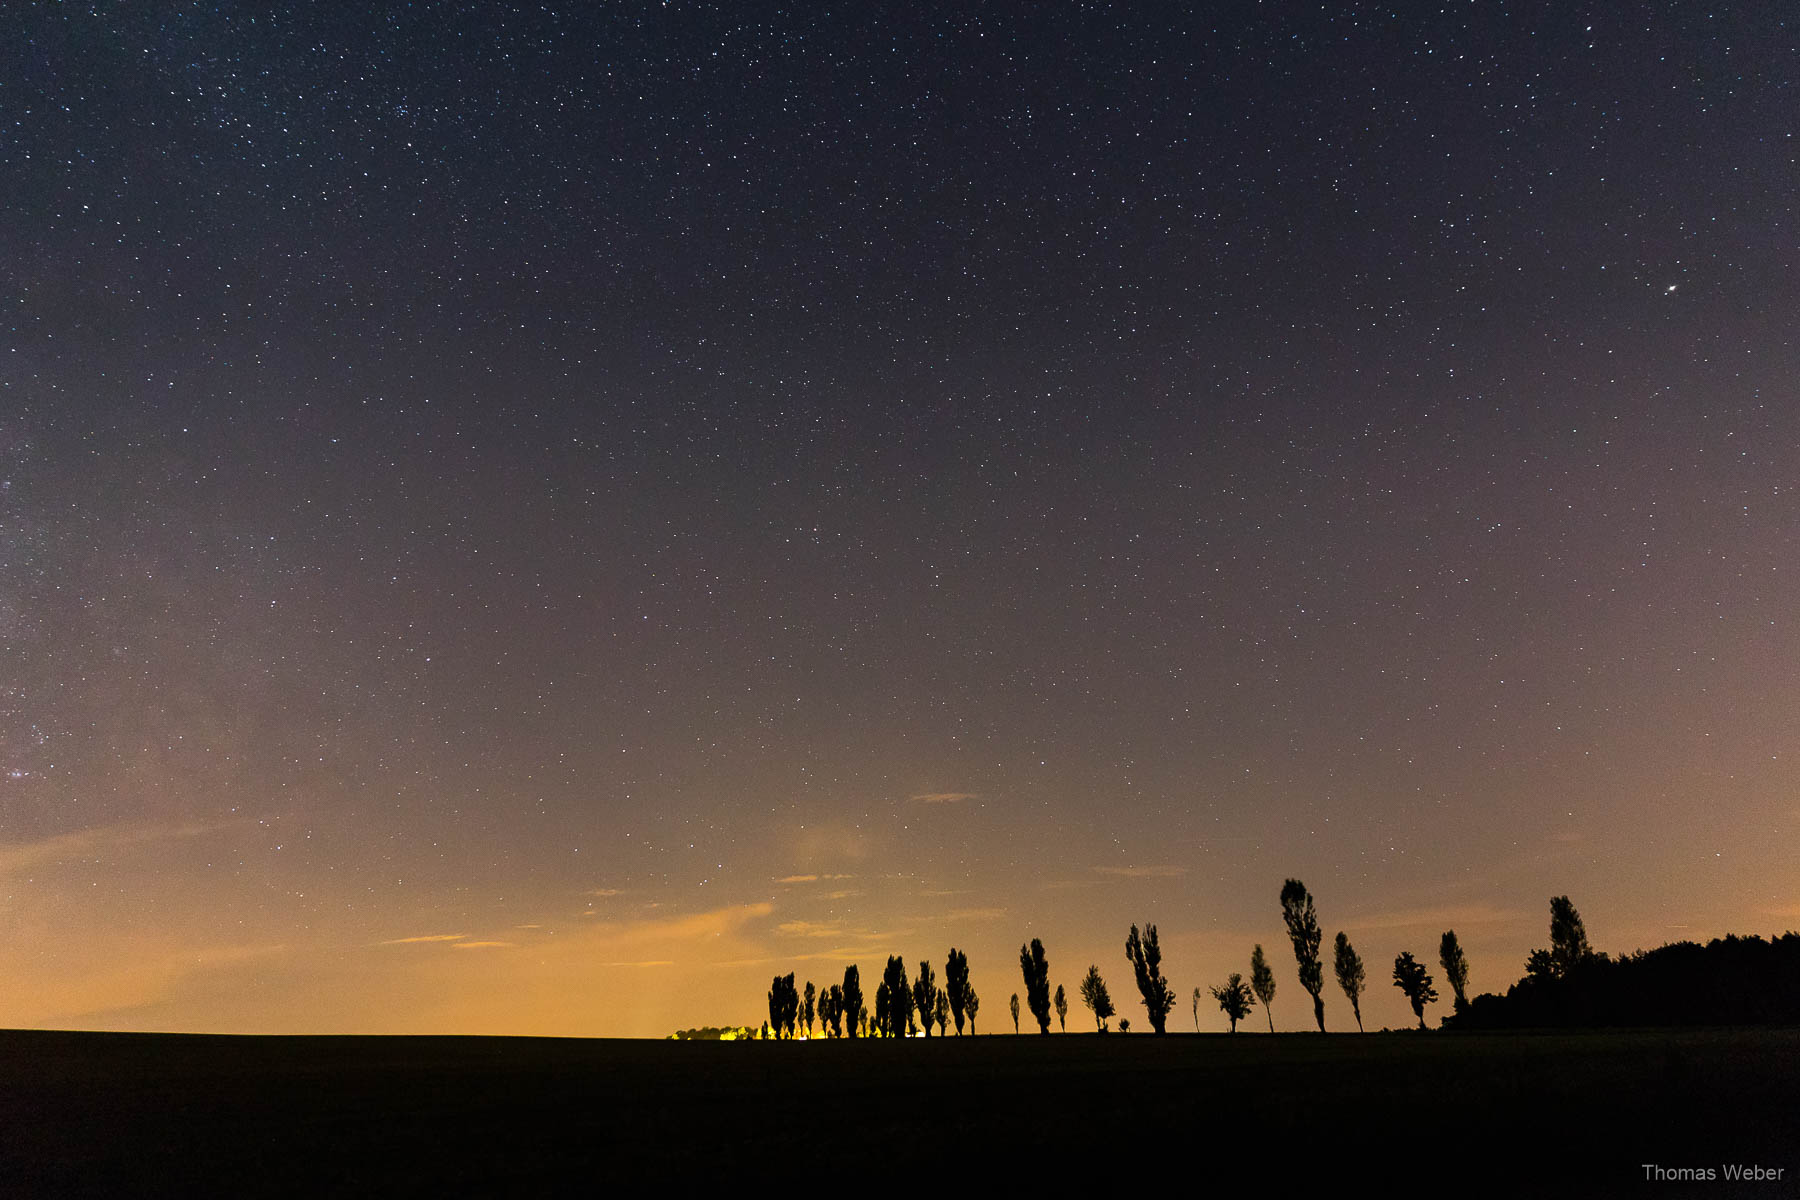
902, 1007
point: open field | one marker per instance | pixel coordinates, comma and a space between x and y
1520, 1114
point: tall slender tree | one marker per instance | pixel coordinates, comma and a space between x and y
1036, 969
1303, 932
900, 997
831, 1011
1062, 1010
1197, 1009
956, 985
1234, 999
853, 1000
1456, 968
884, 1005
1146, 962
941, 1010
971, 1006
806, 1007
1350, 976
1094, 995
1262, 982
1413, 980
1015, 1012
925, 995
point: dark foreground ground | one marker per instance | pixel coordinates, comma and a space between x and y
1512, 1114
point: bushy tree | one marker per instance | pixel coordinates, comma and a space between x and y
1062, 1010
1413, 980
806, 1006
1350, 976
1146, 962
1234, 999
1303, 932
1015, 1012
1094, 995
1124, 1024
1036, 969
1262, 982
1456, 968
853, 1000
925, 995
956, 985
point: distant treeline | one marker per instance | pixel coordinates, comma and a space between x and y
1729, 981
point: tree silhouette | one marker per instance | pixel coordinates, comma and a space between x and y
853, 1000
1262, 982
1146, 962
1456, 968
971, 1005
1124, 1024
784, 1005
925, 996
1062, 1010
831, 1011
806, 1007
956, 985
1303, 932
1015, 1012
1234, 998
941, 1010
1197, 1010
1411, 978
1093, 994
1568, 937
1036, 969
1350, 977
900, 997
884, 1005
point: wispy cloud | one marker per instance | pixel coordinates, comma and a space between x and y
1444, 917
1141, 872
944, 797
97, 844
425, 937
811, 929
798, 879
605, 892
975, 914
480, 945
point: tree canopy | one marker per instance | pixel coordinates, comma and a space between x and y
1094, 995
1146, 962
1303, 931
1350, 976
1036, 969
1234, 999
1456, 968
956, 985
1262, 982
1415, 982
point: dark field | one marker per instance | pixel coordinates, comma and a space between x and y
1519, 1114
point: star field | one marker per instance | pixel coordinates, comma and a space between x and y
523, 519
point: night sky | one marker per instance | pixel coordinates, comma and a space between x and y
532, 521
